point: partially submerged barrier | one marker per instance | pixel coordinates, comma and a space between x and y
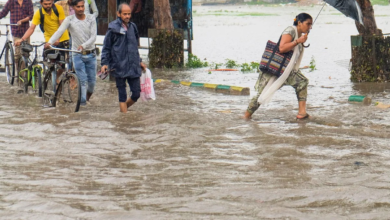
225, 89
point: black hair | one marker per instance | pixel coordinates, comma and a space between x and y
44, 0
121, 6
75, 2
302, 17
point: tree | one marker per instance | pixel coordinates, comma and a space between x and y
167, 48
370, 57
369, 27
162, 15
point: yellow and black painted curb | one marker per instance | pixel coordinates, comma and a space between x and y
229, 90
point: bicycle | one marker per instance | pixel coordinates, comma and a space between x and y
68, 92
30, 73
9, 60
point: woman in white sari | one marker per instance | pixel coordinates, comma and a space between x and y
267, 84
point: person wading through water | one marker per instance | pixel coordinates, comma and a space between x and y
292, 39
49, 18
82, 27
120, 53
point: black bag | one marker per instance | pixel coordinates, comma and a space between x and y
43, 16
26, 47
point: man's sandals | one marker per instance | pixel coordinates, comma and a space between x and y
307, 116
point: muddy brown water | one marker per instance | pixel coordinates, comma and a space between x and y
188, 155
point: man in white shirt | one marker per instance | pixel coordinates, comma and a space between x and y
82, 27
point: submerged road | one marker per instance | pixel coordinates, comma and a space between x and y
188, 155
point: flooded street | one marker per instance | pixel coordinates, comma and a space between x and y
189, 155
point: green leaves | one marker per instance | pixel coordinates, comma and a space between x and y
247, 67
231, 63
195, 62
312, 64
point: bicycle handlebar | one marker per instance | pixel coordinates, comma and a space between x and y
63, 49
38, 45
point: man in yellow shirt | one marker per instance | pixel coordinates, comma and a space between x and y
51, 23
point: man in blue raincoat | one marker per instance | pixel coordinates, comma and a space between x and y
120, 54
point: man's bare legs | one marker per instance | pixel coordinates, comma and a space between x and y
123, 106
129, 102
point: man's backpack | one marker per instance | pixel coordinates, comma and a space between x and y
43, 16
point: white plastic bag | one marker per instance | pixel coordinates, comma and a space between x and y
147, 90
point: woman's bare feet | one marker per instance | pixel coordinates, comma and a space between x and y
247, 116
303, 116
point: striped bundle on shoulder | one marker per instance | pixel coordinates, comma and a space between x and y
273, 61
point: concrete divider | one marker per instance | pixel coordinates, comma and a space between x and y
236, 90
225, 89
210, 86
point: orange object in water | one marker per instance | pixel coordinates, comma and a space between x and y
224, 70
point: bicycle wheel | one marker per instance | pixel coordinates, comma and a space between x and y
48, 90
38, 81
9, 63
23, 74
68, 93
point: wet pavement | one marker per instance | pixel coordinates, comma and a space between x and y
188, 155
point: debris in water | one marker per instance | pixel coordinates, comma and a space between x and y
359, 99
358, 163
225, 111
381, 105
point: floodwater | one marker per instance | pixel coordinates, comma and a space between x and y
188, 155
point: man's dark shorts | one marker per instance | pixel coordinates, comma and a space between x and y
135, 88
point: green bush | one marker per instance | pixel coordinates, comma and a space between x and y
195, 62
215, 65
255, 66
231, 63
246, 67
312, 64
